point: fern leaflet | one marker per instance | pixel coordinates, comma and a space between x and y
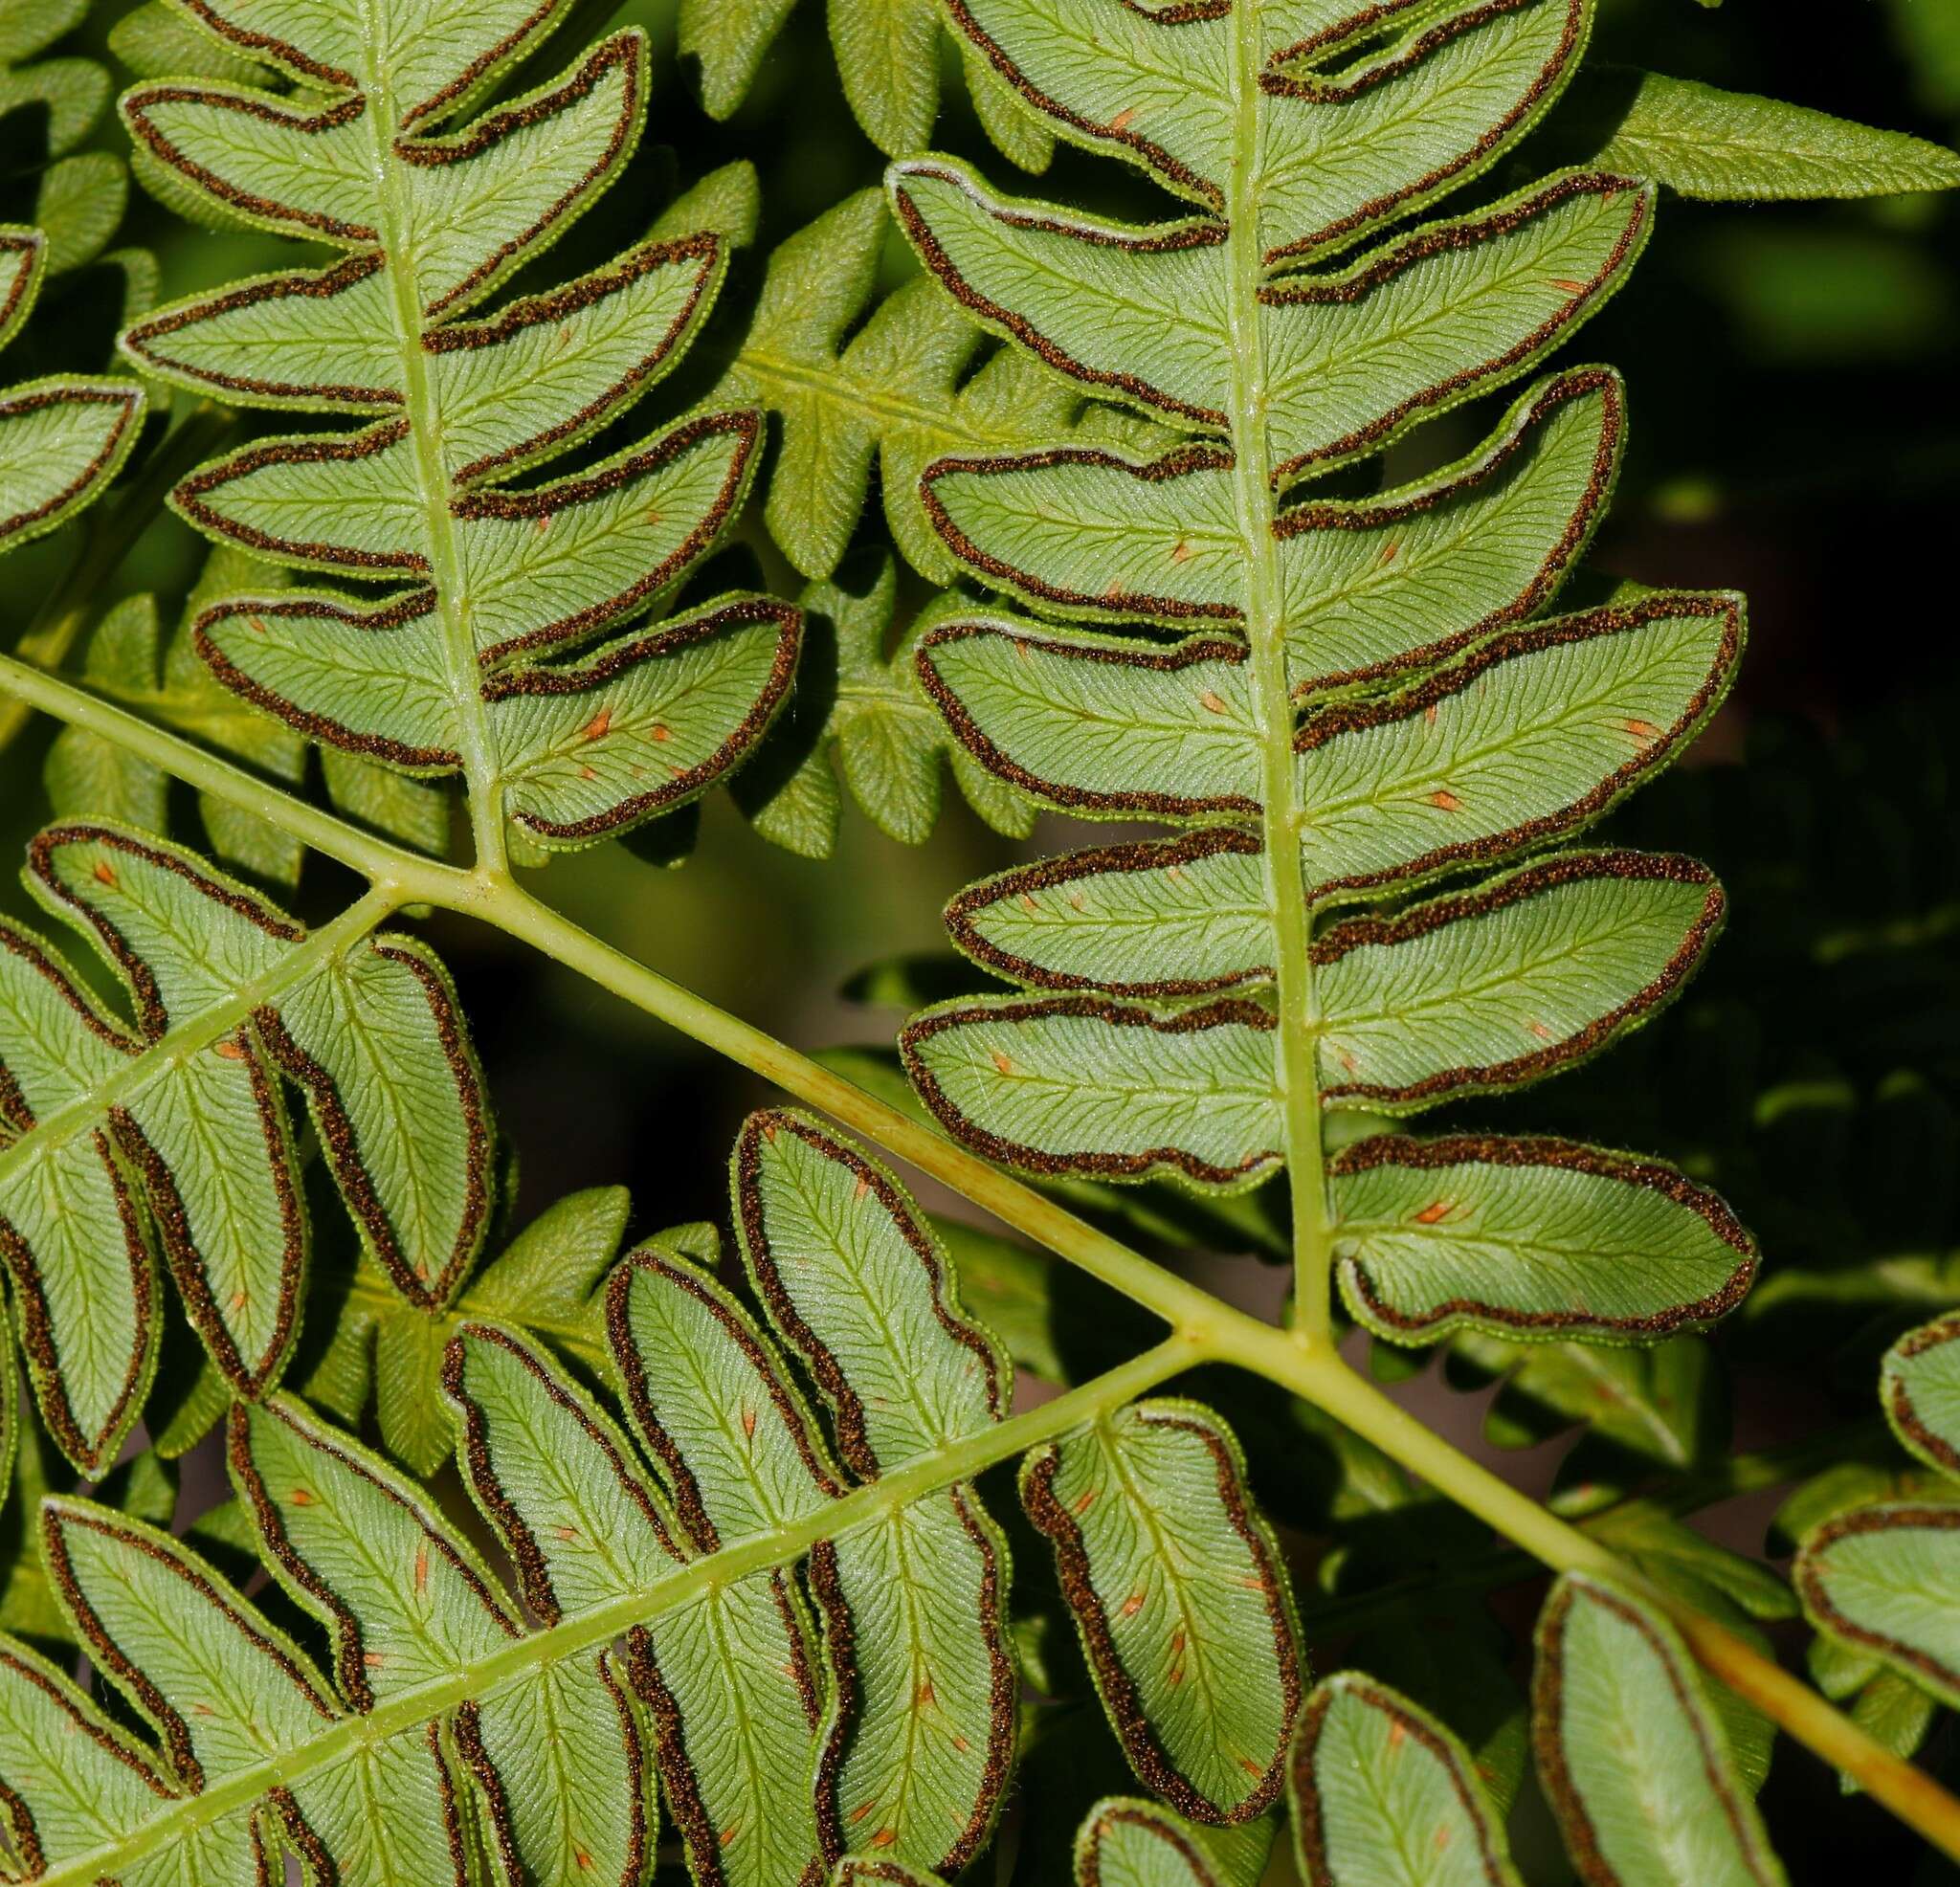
674, 1629
169, 1131
445, 674
1371, 698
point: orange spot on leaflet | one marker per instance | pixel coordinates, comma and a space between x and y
422, 1567
1441, 1840
1390, 550
652, 517
1212, 702
863, 1186
542, 524
961, 1743
768, 1132
1445, 801
1174, 873
1180, 552
583, 1859
596, 725
1075, 898
1133, 1605
1002, 1062
1083, 1501
729, 1834
1543, 1034
1251, 1767
231, 1049
659, 731
1028, 901
883, 1838
564, 334
1398, 1734
1433, 1213
1114, 591
566, 1532
1121, 122
859, 1814
1429, 714
678, 773
749, 1423
1569, 286
373, 1661
302, 1496
587, 773
1643, 731
102, 874
926, 1695
256, 624
203, 1710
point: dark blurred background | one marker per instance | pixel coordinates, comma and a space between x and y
1795, 435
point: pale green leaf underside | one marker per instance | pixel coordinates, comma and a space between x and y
1884, 1578
863, 1291
1529, 1239
1181, 1600
1920, 1388
1079, 1085
1632, 1755
107, 1149
1126, 1842
130, 659
1482, 990
1382, 1795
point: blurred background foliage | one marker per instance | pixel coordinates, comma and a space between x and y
1796, 404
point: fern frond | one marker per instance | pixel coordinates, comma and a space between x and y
460, 1739
449, 673
897, 395
1372, 698
167, 1131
